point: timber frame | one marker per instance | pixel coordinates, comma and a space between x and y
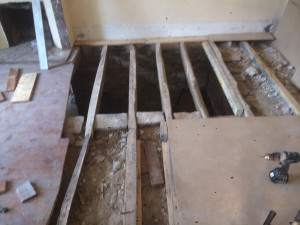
132, 207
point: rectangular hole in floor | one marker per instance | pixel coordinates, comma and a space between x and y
116, 85
212, 92
84, 77
180, 94
147, 80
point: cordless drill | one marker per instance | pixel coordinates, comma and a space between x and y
280, 174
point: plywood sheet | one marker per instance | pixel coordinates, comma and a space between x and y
220, 177
24, 89
32, 148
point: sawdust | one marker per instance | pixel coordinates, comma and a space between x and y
99, 198
259, 93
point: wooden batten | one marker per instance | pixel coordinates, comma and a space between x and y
284, 93
94, 103
149, 118
230, 94
226, 73
96, 93
111, 121
192, 82
163, 84
139, 209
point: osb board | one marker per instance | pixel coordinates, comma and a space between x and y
31, 145
220, 177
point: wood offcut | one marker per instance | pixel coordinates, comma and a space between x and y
13, 78
24, 89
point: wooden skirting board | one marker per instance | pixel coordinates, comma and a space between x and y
216, 38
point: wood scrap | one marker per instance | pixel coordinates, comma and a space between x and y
24, 89
25, 191
155, 171
13, 78
2, 186
2, 98
144, 162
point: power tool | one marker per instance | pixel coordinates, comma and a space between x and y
280, 174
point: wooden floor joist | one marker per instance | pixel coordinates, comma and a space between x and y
229, 92
192, 82
163, 84
130, 201
224, 70
284, 93
94, 103
139, 217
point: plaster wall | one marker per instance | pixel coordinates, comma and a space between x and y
288, 37
132, 19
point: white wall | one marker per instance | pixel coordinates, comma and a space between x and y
136, 19
288, 37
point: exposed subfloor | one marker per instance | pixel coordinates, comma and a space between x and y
259, 93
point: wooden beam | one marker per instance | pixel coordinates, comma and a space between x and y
163, 84
96, 93
224, 70
39, 33
215, 37
139, 210
111, 121
69, 196
284, 93
130, 201
132, 107
233, 100
192, 82
149, 118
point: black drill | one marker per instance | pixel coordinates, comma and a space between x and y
280, 174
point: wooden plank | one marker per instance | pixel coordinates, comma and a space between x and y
96, 93
215, 37
233, 100
39, 34
73, 125
24, 89
187, 116
149, 118
132, 107
144, 162
192, 82
163, 84
130, 201
139, 216
155, 171
13, 78
223, 69
111, 121
284, 93
69, 196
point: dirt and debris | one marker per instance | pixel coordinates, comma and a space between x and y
279, 64
257, 90
154, 199
100, 195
